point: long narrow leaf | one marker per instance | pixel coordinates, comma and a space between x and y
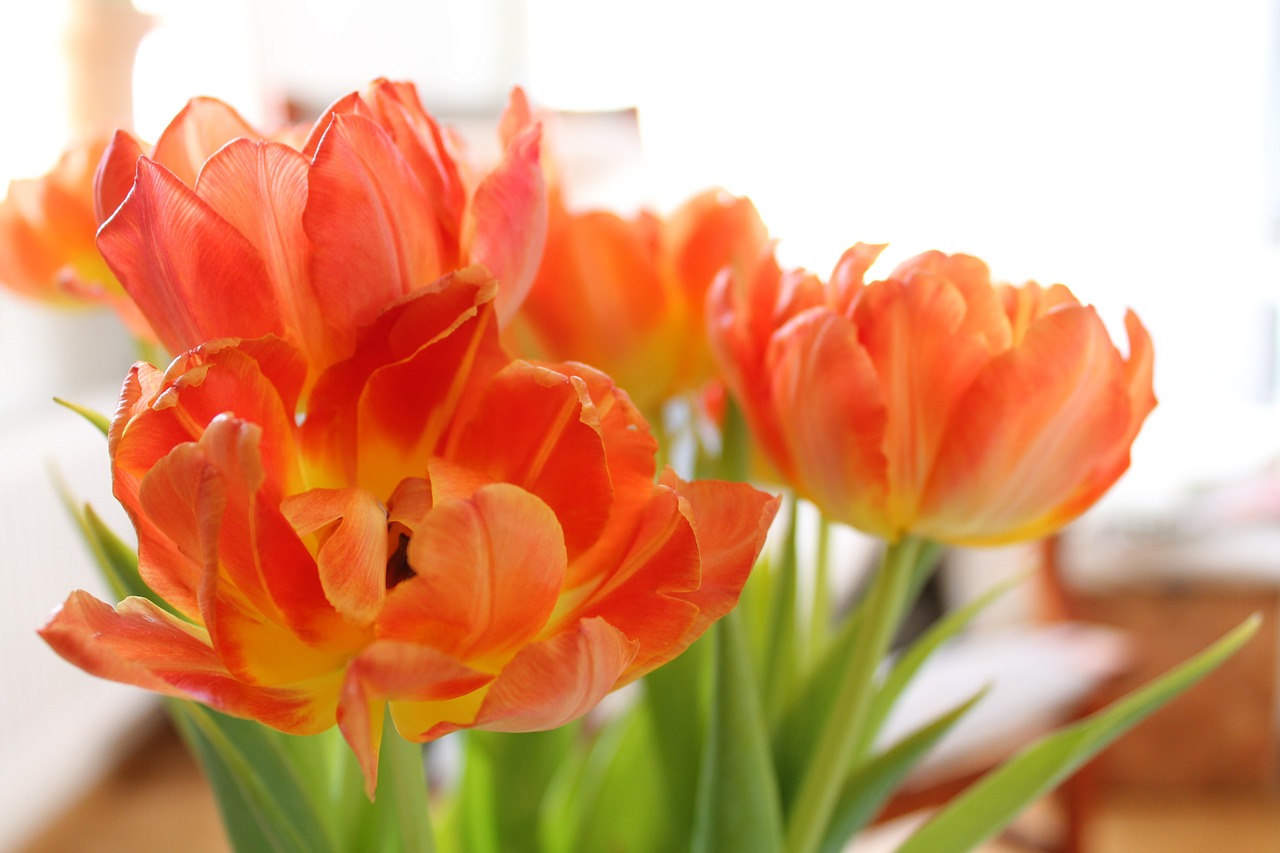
783, 640
875, 781
908, 664
256, 772
403, 821
613, 800
100, 421
247, 829
796, 735
517, 770
993, 802
677, 697
738, 807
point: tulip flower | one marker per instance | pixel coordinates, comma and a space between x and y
222, 233
471, 540
932, 403
47, 228
627, 295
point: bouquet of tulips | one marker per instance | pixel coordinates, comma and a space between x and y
399, 475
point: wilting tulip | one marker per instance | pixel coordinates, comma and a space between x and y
471, 540
627, 295
47, 228
220, 233
932, 403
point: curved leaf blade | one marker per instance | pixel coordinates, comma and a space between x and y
993, 802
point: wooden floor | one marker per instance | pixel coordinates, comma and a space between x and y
157, 802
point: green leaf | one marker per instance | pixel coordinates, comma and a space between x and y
677, 697
246, 830
477, 806
509, 774
738, 807
782, 646
908, 664
400, 806
842, 740
875, 781
611, 799
813, 701
263, 803
117, 561
990, 804
99, 420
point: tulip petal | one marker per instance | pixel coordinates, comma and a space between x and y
199, 503
202, 127
516, 116
600, 266
138, 643
1138, 373
644, 593
557, 453
193, 276
180, 504
352, 559
489, 571
260, 189
744, 310
830, 415
1037, 421
927, 337
505, 226
708, 232
257, 380
847, 280
730, 522
441, 342
555, 681
114, 177
371, 223
419, 139
397, 671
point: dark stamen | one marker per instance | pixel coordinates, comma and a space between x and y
398, 568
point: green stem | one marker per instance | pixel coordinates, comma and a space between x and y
780, 667
735, 462
820, 617
842, 732
403, 780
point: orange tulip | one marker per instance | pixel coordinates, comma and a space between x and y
223, 233
932, 403
47, 228
471, 540
627, 295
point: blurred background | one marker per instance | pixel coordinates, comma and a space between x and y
1128, 149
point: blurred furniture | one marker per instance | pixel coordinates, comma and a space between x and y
1173, 594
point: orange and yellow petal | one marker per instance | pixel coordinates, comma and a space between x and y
400, 673
488, 572
1034, 422
138, 643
